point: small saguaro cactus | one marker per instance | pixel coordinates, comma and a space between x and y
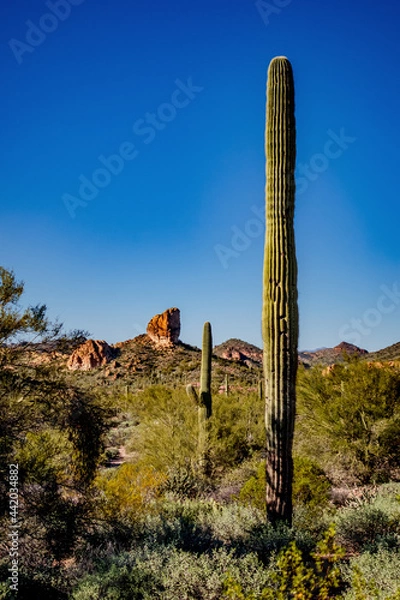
280, 311
226, 384
203, 399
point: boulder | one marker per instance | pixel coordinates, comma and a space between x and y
91, 355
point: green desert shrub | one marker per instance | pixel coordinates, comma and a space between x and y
348, 420
237, 429
197, 526
167, 436
200, 525
182, 482
292, 575
128, 492
169, 574
253, 490
373, 576
372, 525
44, 456
311, 487
190, 549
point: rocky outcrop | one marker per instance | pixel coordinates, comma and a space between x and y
90, 355
164, 329
239, 351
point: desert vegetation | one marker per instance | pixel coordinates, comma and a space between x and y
111, 504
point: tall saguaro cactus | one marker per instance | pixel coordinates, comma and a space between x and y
203, 399
280, 311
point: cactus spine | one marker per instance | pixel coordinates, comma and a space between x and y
203, 399
280, 311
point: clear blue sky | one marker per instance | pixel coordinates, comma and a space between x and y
152, 235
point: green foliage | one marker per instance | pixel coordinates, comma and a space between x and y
118, 582
292, 577
197, 526
35, 396
374, 576
15, 322
167, 435
169, 574
348, 420
237, 429
44, 456
373, 524
253, 491
128, 492
183, 482
53, 431
310, 486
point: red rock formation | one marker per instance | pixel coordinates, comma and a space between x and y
90, 355
164, 329
238, 350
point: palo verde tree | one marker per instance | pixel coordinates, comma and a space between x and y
280, 311
49, 426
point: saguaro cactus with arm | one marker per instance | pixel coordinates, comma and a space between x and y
280, 311
203, 399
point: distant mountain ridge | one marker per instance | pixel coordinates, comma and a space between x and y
329, 356
241, 351
160, 356
390, 353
